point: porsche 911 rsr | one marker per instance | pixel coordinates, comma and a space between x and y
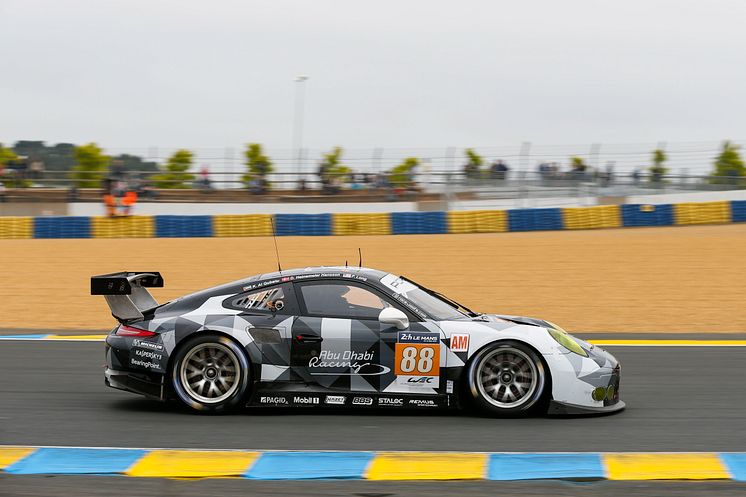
344, 337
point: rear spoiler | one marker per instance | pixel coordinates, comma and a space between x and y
126, 293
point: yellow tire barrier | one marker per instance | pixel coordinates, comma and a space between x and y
477, 221
702, 212
16, 227
122, 227
242, 225
361, 224
583, 218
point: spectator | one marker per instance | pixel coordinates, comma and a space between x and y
499, 170
302, 187
636, 175
204, 182
2, 191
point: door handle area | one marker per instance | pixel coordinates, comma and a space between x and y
308, 338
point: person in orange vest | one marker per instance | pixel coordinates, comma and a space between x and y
128, 202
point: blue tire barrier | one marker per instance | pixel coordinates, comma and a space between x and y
303, 224
535, 219
62, 227
634, 215
183, 226
738, 211
419, 223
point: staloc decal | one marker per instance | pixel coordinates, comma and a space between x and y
390, 402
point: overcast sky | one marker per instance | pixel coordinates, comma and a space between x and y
402, 73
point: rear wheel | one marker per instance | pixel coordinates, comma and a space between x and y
210, 373
507, 379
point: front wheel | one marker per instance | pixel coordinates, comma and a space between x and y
507, 379
210, 373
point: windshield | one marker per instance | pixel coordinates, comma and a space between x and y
435, 306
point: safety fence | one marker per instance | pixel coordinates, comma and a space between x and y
395, 223
335, 465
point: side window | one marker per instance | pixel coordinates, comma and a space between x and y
341, 300
276, 299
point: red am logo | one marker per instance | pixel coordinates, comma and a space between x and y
460, 342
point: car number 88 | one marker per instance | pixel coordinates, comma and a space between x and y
417, 359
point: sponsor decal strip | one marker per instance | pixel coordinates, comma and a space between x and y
600, 342
303, 465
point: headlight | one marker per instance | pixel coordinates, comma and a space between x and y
562, 338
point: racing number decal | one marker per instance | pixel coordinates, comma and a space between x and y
417, 359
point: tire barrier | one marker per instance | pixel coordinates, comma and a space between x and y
395, 223
122, 227
183, 226
368, 465
303, 224
62, 227
702, 213
534, 219
362, 224
242, 225
584, 218
638, 215
418, 223
16, 227
477, 221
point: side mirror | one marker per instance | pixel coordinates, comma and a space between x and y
395, 317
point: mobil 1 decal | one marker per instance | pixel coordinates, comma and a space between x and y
148, 355
417, 359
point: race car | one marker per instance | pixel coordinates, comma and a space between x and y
344, 337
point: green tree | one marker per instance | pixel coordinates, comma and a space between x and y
176, 175
256, 162
473, 167
401, 175
578, 165
331, 169
7, 155
729, 163
90, 166
658, 170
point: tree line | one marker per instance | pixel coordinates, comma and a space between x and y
88, 165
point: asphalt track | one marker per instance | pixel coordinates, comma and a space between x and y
679, 399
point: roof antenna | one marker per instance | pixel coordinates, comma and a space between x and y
274, 237
345, 263
360, 260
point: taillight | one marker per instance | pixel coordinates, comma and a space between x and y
131, 331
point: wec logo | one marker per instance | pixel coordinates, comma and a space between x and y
421, 380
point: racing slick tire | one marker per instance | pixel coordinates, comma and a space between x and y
210, 373
508, 379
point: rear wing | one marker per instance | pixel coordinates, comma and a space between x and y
126, 293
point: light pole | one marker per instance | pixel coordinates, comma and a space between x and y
300, 93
